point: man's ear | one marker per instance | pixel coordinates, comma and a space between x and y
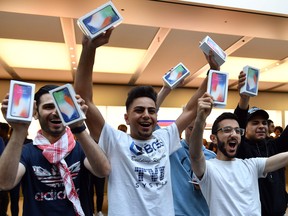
213, 138
126, 119
35, 113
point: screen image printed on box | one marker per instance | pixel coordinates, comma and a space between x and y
175, 74
21, 100
218, 87
252, 80
100, 19
216, 48
66, 105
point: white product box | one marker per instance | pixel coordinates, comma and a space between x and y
217, 87
21, 101
208, 44
252, 81
68, 109
174, 76
99, 20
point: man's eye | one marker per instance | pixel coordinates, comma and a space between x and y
227, 130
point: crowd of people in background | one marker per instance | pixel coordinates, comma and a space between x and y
151, 170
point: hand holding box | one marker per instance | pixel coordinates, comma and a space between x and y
208, 44
21, 101
174, 76
99, 20
67, 107
250, 87
217, 87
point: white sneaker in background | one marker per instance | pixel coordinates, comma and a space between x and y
100, 213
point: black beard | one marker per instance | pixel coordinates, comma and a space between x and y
223, 150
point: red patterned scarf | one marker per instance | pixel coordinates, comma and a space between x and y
55, 154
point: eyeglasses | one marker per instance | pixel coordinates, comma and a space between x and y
229, 130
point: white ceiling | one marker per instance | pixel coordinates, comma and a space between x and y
40, 41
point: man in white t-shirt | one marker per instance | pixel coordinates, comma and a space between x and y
139, 182
229, 184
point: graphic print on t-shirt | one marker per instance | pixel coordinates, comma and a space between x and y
54, 180
150, 152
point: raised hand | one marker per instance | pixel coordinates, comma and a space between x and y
205, 104
99, 40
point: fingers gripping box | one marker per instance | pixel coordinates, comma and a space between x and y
251, 83
67, 107
218, 87
21, 101
208, 44
99, 20
174, 76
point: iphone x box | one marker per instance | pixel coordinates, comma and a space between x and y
21, 101
174, 76
218, 87
99, 20
251, 83
67, 107
208, 44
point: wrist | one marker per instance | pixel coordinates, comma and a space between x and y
79, 129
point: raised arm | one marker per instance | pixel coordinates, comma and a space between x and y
83, 83
11, 171
276, 162
195, 141
162, 94
243, 104
95, 161
189, 112
244, 99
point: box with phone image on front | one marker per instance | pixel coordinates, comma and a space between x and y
217, 87
67, 107
21, 101
99, 20
208, 44
251, 83
174, 76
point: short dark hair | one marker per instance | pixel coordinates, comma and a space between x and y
223, 116
43, 90
269, 121
278, 128
140, 91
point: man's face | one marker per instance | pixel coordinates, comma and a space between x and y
48, 117
271, 128
256, 128
228, 142
142, 118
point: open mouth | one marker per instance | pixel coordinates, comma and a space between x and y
145, 124
232, 144
56, 121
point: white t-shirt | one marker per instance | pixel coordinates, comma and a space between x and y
231, 187
139, 182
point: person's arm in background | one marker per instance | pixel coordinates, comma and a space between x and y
190, 110
11, 171
162, 94
83, 83
243, 104
195, 141
241, 111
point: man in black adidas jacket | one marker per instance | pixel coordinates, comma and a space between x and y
273, 195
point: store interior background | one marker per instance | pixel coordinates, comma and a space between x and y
40, 42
